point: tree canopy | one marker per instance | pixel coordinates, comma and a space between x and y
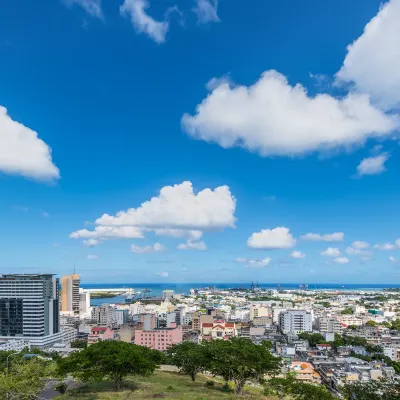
190, 357
240, 360
110, 360
297, 390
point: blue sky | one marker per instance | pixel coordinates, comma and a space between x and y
130, 97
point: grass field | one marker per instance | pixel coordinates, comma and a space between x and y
161, 385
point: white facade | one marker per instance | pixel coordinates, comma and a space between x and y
105, 315
276, 311
29, 306
84, 302
14, 345
167, 294
296, 321
329, 325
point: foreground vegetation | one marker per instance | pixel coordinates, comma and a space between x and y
163, 385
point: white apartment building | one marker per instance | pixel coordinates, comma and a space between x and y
276, 312
296, 321
329, 325
84, 302
167, 294
105, 315
29, 308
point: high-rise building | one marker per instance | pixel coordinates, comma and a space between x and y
70, 297
296, 321
84, 302
29, 308
167, 294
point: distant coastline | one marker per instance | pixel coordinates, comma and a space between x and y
184, 288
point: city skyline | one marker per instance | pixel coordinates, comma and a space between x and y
162, 144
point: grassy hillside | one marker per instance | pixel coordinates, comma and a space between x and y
161, 385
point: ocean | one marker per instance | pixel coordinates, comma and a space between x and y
184, 288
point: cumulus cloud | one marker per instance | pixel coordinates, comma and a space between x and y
92, 257
385, 246
393, 259
297, 254
155, 248
351, 251
192, 235
91, 242
341, 260
331, 252
92, 7
372, 165
268, 239
274, 118
191, 245
329, 237
179, 207
358, 244
206, 11
22, 152
372, 63
143, 22
254, 263
109, 232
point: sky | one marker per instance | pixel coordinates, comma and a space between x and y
201, 140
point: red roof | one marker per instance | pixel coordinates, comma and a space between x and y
99, 328
230, 325
218, 326
207, 325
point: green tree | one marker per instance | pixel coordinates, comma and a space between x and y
396, 324
386, 324
79, 344
313, 338
240, 360
371, 323
25, 380
109, 360
348, 311
372, 390
190, 357
295, 389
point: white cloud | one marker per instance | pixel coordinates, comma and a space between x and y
331, 252
92, 257
163, 274
273, 118
179, 207
155, 248
254, 263
385, 246
92, 7
372, 62
341, 260
91, 242
393, 259
372, 165
55, 245
44, 214
193, 235
22, 152
206, 11
108, 232
268, 239
329, 237
358, 244
191, 245
351, 251
297, 254
144, 23
397, 242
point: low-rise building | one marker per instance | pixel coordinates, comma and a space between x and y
159, 338
100, 333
